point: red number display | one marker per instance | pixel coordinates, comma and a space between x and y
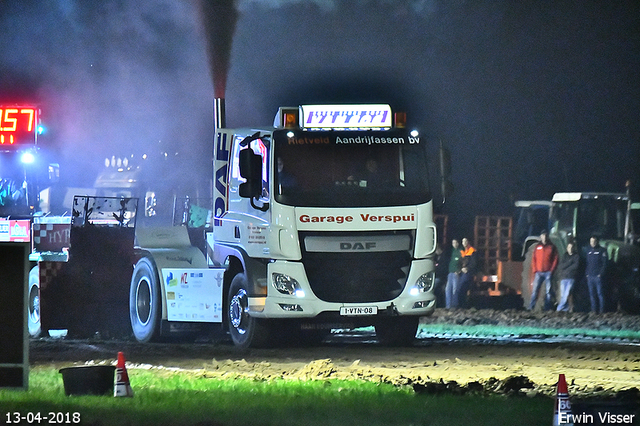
18, 125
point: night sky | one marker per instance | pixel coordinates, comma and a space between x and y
530, 97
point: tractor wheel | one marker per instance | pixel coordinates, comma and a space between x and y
629, 294
527, 278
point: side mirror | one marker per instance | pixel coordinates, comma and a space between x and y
251, 169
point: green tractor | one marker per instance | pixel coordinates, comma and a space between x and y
610, 216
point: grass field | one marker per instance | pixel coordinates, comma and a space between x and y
497, 331
187, 398
165, 397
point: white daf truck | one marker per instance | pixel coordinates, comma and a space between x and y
322, 221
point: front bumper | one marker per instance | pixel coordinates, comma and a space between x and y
305, 304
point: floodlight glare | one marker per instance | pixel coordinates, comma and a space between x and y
27, 158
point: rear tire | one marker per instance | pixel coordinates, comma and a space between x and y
245, 331
145, 301
397, 331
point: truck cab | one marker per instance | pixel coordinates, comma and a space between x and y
324, 221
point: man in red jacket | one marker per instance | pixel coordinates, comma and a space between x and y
543, 263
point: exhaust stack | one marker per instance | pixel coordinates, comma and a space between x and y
219, 117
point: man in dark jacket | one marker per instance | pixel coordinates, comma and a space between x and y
567, 271
596, 264
453, 277
468, 267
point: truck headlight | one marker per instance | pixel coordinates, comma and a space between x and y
286, 284
423, 284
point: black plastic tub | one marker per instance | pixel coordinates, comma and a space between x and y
88, 379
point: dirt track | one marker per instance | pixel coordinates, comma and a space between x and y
598, 368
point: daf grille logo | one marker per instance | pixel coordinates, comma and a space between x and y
370, 245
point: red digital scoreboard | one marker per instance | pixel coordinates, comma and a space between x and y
18, 126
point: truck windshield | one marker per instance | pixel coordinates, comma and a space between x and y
602, 216
350, 168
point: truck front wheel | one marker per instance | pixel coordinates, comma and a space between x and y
145, 301
245, 330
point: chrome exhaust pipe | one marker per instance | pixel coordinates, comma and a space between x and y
219, 116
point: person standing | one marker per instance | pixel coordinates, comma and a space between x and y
467, 269
567, 270
441, 268
543, 263
596, 264
453, 277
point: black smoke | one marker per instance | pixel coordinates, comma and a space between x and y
219, 20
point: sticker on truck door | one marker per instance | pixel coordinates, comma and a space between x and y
193, 295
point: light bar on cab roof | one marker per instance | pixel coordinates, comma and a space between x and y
346, 116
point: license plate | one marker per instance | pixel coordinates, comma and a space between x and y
358, 310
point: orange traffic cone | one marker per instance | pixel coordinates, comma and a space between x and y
122, 385
562, 413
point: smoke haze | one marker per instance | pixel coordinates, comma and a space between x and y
113, 78
531, 98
